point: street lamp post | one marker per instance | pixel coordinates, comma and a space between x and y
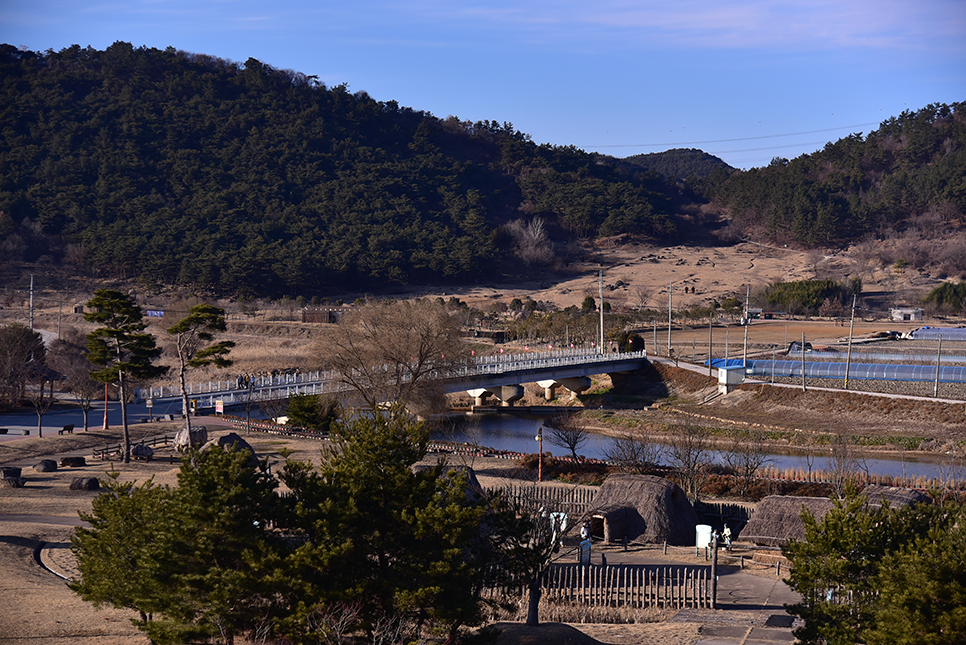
539, 439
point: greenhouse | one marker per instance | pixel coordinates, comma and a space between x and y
939, 333
859, 371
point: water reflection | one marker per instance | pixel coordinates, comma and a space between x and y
517, 433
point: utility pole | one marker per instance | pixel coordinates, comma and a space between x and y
939, 357
670, 285
710, 345
803, 361
31, 314
747, 304
601, 286
744, 360
848, 353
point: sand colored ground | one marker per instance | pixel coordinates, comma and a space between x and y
710, 272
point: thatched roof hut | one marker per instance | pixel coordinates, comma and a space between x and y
778, 519
875, 495
642, 508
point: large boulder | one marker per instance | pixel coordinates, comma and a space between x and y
140, 451
85, 483
232, 441
46, 466
10, 471
72, 462
184, 440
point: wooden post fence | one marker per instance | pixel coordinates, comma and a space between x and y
630, 586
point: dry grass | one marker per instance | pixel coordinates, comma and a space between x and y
557, 611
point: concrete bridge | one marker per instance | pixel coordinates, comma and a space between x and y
501, 376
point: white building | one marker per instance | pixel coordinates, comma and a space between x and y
906, 314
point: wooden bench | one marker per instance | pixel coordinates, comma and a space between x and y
69, 429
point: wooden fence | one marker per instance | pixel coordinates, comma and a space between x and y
107, 452
728, 512
571, 500
633, 586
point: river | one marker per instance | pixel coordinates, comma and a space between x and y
517, 434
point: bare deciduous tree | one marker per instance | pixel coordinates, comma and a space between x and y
642, 295
533, 245
67, 357
19, 347
634, 452
843, 465
690, 452
746, 454
951, 474
273, 408
566, 431
397, 351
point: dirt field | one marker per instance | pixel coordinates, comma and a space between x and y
712, 273
274, 338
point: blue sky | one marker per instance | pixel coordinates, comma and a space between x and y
746, 80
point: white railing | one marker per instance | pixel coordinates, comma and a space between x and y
245, 389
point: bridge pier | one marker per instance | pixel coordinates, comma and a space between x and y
480, 396
507, 394
574, 384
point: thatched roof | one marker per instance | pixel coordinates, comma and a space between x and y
643, 508
876, 494
778, 519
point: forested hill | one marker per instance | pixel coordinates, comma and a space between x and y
181, 168
910, 173
679, 163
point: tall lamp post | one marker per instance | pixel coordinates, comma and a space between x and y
105, 407
539, 440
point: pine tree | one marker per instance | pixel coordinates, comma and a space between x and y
120, 348
122, 557
193, 333
395, 542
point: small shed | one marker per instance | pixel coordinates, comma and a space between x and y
641, 508
906, 314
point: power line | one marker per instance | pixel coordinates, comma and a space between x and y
784, 147
764, 136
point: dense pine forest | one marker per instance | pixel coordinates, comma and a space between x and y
187, 169
173, 168
909, 173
